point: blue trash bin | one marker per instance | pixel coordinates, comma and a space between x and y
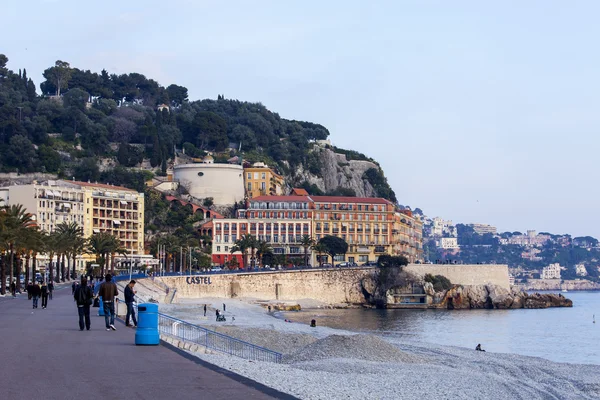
147, 328
101, 309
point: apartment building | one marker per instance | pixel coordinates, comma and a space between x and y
370, 226
552, 271
482, 229
50, 203
364, 223
95, 207
281, 221
260, 180
407, 235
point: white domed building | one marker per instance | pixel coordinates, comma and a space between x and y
223, 182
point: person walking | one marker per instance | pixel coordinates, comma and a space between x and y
50, 289
109, 291
205, 310
224, 308
35, 294
13, 288
217, 313
44, 291
129, 300
83, 296
28, 289
73, 288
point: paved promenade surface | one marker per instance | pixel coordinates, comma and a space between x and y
44, 355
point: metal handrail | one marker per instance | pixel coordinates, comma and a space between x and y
212, 340
215, 341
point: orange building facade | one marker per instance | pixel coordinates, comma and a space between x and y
370, 226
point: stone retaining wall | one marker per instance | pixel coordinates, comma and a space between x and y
332, 286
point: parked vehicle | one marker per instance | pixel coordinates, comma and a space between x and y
370, 264
343, 264
216, 269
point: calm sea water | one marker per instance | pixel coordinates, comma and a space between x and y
557, 334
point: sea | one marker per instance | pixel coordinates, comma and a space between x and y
558, 334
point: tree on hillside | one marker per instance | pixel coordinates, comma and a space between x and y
386, 260
334, 246
59, 75
211, 131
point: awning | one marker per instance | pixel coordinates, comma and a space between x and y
123, 202
116, 222
67, 205
96, 230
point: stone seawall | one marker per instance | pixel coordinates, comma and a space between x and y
332, 286
465, 274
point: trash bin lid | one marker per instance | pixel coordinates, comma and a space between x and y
148, 307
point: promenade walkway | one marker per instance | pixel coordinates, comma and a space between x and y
44, 355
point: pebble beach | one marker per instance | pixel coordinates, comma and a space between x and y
326, 363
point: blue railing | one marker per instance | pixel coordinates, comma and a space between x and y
215, 341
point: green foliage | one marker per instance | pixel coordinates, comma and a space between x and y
387, 261
376, 178
439, 282
352, 155
334, 245
124, 110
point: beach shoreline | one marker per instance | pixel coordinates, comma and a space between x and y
328, 363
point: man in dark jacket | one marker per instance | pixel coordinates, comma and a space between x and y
109, 292
44, 291
35, 293
50, 289
83, 296
129, 299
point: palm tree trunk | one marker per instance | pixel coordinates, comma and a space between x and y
19, 269
27, 258
305, 256
51, 277
57, 269
112, 264
62, 267
33, 271
3, 274
69, 267
11, 265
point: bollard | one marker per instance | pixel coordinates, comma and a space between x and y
147, 329
101, 309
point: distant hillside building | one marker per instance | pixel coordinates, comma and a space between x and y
223, 182
441, 227
482, 229
552, 271
580, 270
260, 180
447, 243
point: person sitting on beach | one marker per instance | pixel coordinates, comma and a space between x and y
478, 348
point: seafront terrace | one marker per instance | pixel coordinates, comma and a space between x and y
45, 355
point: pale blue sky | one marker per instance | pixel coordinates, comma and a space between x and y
478, 112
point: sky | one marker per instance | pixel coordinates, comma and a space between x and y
478, 111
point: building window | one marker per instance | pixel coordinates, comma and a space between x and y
263, 185
249, 175
249, 186
226, 248
263, 176
363, 259
218, 248
256, 175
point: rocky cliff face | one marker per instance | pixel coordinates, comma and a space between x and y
496, 297
337, 171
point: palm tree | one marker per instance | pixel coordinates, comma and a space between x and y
320, 249
49, 241
36, 246
16, 220
307, 242
99, 244
78, 247
252, 245
71, 235
234, 249
262, 248
242, 245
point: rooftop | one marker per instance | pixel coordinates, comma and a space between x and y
100, 186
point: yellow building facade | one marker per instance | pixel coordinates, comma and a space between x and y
260, 180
